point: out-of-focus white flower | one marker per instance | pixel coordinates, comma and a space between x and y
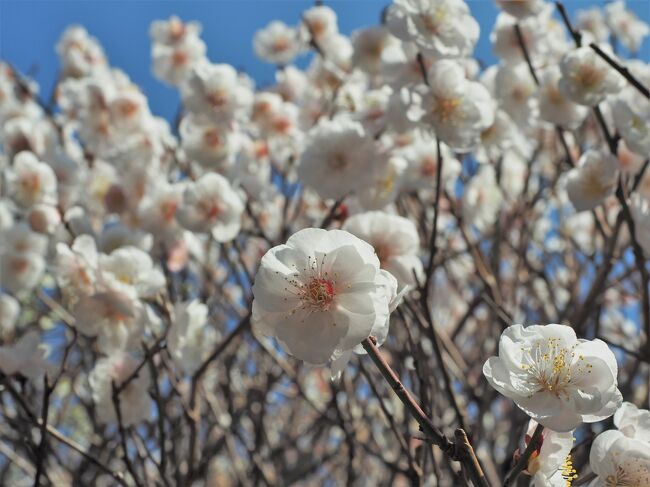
369, 45
633, 422
395, 240
157, 209
9, 311
277, 43
32, 181
555, 378
216, 91
522, 8
505, 43
134, 399
214, 146
482, 199
516, 92
619, 460
443, 28
554, 106
174, 62
321, 294
625, 25
22, 261
593, 180
114, 315
43, 218
173, 30
458, 109
320, 22
134, 268
211, 205
593, 21
76, 266
640, 209
338, 158
632, 119
26, 357
422, 164
586, 78
80, 54
190, 337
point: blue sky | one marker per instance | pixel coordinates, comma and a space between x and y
29, 30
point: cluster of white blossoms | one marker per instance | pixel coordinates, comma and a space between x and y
394, 170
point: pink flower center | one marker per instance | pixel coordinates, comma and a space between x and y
319, 292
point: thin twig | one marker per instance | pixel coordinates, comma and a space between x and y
462, 452
521, 464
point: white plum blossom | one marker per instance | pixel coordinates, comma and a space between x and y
422, 164
321, 294
43, 218
395, 240
216, 91
277, 43
190, 337
320, 22
554, 106
457, 108
625, 25
633, 422
592, 180
521, 8
504, 40
27, 357
32, 181
131, 267
619, 460
176, 49
80, 54
593, 21
550, 465
211, 205
516, 92
587, 79
134, 399
631, 113
442, 28
557, 379
76, 265
369, 45
338, 158
482, 199
22, 258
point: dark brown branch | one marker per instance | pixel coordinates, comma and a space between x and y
462, 452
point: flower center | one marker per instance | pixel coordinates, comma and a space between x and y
631, 473
281, 44
445, 108
315, 288
589, 76
551, 367
432, 21
319, 292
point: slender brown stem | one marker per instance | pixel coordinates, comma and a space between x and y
460, 451
523, 460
